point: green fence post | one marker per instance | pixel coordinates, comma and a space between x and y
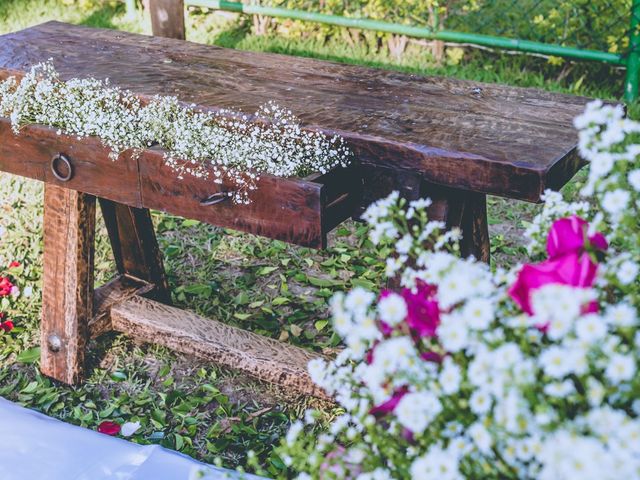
633, 59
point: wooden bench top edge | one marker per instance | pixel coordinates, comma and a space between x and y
510, 156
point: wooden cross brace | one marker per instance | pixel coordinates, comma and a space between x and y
136, 302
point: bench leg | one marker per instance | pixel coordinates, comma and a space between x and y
67, 294
466, 211
457, 208
475, 228
135, 247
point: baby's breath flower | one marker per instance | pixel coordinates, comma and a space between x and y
224, 145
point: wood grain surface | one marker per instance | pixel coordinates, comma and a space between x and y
67, 286
29, 154
186, 332
317, 203
134, 245
482, 137
288, 209
167, 18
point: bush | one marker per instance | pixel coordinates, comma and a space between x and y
468, 373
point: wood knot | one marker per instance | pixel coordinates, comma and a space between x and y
54, 343
476, 92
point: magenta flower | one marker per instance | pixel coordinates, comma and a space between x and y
568, 263
390, 405
569, 235
423, 312
431, 356
576, 270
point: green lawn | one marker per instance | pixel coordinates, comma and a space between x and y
264, 286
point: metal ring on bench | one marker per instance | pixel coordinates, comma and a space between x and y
214, 198
60, 158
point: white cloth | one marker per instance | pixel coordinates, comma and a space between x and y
37, 447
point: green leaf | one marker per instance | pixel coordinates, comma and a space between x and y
190, 223
266, 270
118, 376
320, 324
172, 250
29, 356
32, 387
361, 282
159, 416
200, 289
179, 441
280, 301
241, 316
324, 282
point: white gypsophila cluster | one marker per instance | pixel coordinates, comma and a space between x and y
554, 207
225, 145
601, 128
449, 378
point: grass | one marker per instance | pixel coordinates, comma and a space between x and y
261, 285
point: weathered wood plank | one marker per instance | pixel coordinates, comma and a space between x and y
282, 208
134, 245
317, 205
30, 154
464, 210
481, 137
231, 347
67, 295
167, 18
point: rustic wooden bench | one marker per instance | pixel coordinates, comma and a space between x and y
452, 140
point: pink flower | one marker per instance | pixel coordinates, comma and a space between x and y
423, 312
390, 405
576, 270
386, 329
109, 428
569, 235
368, 358
568, 263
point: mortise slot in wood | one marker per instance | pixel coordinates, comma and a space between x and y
261, 357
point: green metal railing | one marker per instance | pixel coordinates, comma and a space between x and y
630, 59
633, 58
